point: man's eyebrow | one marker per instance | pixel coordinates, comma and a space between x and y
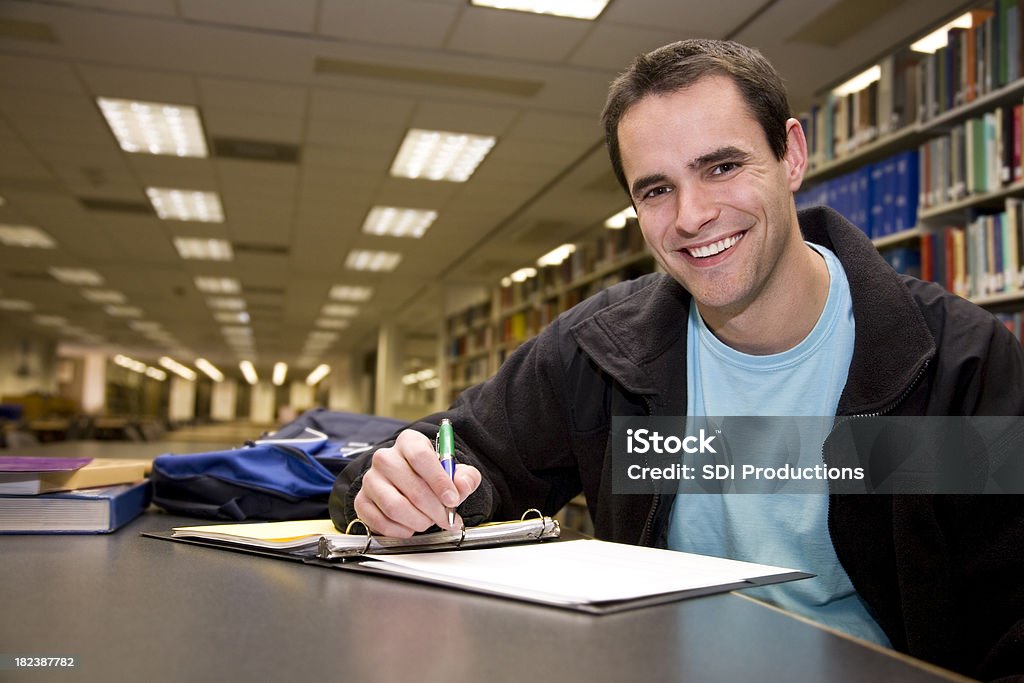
641, 184
718, 156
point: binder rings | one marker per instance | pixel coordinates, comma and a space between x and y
528, 560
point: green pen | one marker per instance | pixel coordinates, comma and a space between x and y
446, 453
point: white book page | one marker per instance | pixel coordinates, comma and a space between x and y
583, 571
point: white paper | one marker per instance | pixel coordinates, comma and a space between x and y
575, 572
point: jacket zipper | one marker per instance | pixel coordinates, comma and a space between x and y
888, 409
645, 532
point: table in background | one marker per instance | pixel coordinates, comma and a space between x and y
141, 609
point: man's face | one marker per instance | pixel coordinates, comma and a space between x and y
713, 201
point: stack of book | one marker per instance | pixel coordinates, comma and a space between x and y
71, 495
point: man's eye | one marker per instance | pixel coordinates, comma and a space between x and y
722, 169
655, 192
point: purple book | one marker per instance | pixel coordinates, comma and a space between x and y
20, 463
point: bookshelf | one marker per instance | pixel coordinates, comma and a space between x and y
480, 337
953, 120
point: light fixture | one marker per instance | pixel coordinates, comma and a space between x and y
156, 373
209, 369
323, 336
574, 9
231, 317
556, 255
523, 274
440, 155
376, 261
155, 127
124, 311
177, 368
236, 331
25, 236
226, 303
103, 296
203, 248
77, 276
398, 222
331, 323
249, 372
351, 293
280, 372
339, 310
319, 372
186, 205
218, 285
618, 221
858, 82
939, 38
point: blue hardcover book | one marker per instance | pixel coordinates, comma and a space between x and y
98, 510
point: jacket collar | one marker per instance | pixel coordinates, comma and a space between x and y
640, 340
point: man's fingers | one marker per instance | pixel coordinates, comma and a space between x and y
467, 479
404, 500
376, 521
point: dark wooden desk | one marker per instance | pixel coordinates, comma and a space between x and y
139, 609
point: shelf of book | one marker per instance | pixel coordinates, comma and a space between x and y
929, 159
479, 340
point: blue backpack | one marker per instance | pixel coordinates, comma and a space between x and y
287, 474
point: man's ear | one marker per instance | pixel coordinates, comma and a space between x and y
796, 154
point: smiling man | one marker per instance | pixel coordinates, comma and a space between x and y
762, 312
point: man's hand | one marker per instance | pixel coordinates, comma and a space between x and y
406, 490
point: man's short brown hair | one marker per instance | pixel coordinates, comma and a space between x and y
679, 65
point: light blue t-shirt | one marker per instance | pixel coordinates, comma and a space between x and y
787, 530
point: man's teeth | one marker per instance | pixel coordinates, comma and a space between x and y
715, 247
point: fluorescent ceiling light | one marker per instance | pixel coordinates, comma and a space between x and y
203, 248
377, 261
186, 205
440, 155
177, 368
351, 293
231, 317
574, 9
523, 274
209, 369
398, 222
124, 311
226, 303
339, 310
331, 323
156, 373
858, 82
318, 374
249, 372
218, 285
103, 296
155, 127
130, 363
280, 372
15, 305
77, 276
618, 221
939, 38
556, 255
25, 236
51, 320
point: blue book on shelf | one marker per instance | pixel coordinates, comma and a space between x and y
98, 510
907, 171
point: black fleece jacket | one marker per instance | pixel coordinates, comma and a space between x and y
943, 575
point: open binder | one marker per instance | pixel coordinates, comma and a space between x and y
528, 559
318, 538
